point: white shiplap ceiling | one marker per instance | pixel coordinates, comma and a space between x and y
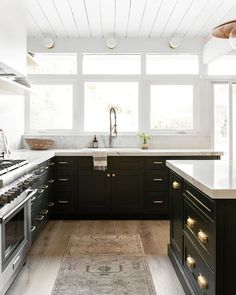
126, 18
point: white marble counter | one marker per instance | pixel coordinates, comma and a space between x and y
36, 157
216, 178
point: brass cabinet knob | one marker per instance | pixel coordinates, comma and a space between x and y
108, 175
202, 237
113, 175
176, 185
191, 222
191, 263
202, 282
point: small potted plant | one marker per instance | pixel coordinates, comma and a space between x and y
145, 138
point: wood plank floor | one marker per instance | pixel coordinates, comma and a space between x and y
38, 275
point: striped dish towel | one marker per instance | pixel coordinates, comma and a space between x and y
100, 160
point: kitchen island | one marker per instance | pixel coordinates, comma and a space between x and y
203, 221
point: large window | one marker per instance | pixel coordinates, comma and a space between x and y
111, 64
172, 107
99, 97
73, 93
51, 107
172, 64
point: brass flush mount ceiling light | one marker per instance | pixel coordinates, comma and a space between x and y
226, 31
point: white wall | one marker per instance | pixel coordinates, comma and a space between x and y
12, 112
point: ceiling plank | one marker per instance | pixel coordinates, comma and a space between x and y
149, 18
40, 18
121, 18
166, 11
32, 28
94, 17
181, 9
50, 11
64, 10
202, 17
136, 15
108, 17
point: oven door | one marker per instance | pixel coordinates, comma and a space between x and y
15, 233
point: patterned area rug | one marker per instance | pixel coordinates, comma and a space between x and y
104, 264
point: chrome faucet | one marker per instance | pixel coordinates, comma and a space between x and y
113, 128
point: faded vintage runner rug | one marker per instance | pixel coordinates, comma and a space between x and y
104, 264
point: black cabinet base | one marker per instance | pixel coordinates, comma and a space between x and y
188, 289
96, 216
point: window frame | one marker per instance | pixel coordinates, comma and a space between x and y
52, 80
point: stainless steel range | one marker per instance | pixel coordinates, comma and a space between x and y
15, 212
9, 165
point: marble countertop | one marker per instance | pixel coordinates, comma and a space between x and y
216, 178
36, 157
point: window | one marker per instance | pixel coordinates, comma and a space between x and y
225, 65
99, 97
54, 64
111, 64
172, 107
51, 107
172, 64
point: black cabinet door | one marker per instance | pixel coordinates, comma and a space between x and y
127, 191
93, 191
176, 215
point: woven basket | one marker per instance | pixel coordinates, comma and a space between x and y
39, 143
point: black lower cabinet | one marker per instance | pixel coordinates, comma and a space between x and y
93, 192
202, 239
127, 191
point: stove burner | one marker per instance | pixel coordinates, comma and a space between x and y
9, 165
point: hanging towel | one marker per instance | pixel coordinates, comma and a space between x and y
100, 160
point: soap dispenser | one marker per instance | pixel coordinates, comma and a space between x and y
94, 142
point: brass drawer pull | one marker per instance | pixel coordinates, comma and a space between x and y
63, 162
33, 199
191, 222
113, 175
51, 164
40, 218
51, 204
157, 179
191, 263
44, 211
108, 175
176, 185
63, 201
202, 282
45, 186
158, 163
51, 181
33, 228
157, 202
40, 191
202, 237
63, 179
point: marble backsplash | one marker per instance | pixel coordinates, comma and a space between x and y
163, 142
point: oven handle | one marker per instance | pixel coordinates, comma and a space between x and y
30, 193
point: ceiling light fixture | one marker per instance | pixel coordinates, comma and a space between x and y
226, 31
48, 42
174, 43
111, 43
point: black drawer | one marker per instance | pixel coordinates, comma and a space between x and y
64, 179
85, 163
63, 202
126, 163
157, 180
156, 163
202, 231
200, 200
158, 202
199, 273
65, 162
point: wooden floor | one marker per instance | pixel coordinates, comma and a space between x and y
38, 275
